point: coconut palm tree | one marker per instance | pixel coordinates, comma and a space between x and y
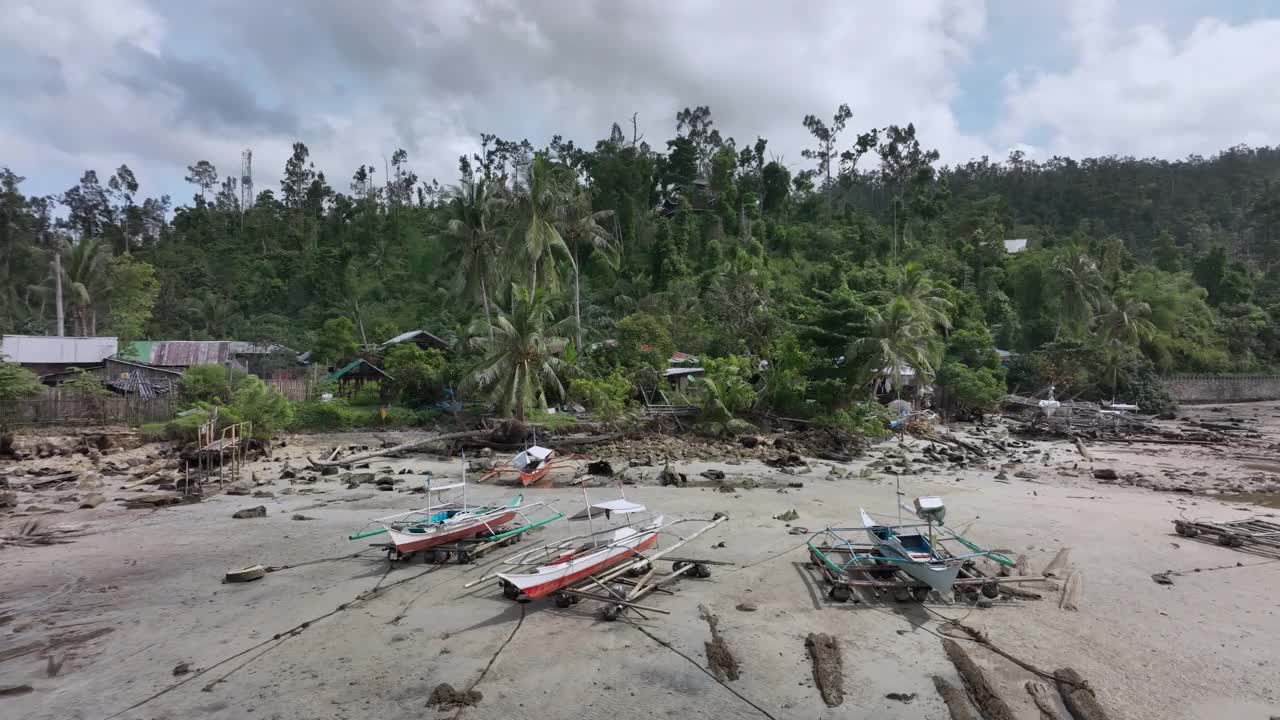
581, 228
1124, 325
1078, 285
521, 355
913, 285
899, 338
535, 241
475, 250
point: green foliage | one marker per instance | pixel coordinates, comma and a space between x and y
338, 415
183, 428
870, 251
18, 383
643, 340
209, 384
973, 391
867, 419
336, 341
606, 397
261, 405
727, 388
133, 294
521, 363
419, 373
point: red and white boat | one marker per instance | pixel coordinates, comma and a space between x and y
576, 563
530, 465
438, 524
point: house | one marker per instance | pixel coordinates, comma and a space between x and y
352, 376
679, 376
259, 358
1014, 247
421, 338
49, 355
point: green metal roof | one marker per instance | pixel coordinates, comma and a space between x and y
337, 374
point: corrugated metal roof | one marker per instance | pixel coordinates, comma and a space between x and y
185, 353
51, 349
413, 335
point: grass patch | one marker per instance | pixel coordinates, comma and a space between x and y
550, 421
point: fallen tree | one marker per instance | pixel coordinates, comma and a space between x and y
398, 449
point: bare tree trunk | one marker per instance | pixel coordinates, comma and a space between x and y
577, 302
488, 319
57, 286
393, 451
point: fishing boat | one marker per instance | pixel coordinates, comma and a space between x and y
441, 523
912, 552
530, 465
563, 569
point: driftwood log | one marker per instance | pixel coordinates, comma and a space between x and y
1043, 695
396, 450
980, 688
1077, 696
954, 698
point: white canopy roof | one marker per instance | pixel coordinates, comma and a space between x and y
621, 506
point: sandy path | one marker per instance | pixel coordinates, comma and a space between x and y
1202, 648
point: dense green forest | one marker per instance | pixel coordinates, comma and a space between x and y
799, 288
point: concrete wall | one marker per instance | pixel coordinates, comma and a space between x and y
1196, 388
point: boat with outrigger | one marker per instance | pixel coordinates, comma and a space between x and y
455, 529
592, 565
910, 560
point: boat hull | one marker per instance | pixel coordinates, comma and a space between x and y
405, 543
541, 584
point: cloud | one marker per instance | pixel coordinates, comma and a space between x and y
1149, 91
159, 85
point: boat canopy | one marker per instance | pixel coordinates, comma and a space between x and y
621, 506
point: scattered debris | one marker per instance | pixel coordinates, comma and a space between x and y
300, 516
671, 477
181, 668
746, 606
828, 669
1262, 536
600, 467
788, 516
712, 474
253, 572
980, 687
444, 697
1163, 578
54, 665
904, 698
1105, 474
798, 530
253, 512
785, 461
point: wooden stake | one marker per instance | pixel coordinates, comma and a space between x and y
981, 689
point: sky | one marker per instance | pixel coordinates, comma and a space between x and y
158, 85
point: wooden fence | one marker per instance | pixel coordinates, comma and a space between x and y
54, 408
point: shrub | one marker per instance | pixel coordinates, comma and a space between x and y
261, 405
728, 383
868, 419
418, 373
973, 391
606, 398
18, 383
209, 384
638, 331
90, 390
316, 415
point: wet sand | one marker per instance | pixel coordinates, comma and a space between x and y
126, 605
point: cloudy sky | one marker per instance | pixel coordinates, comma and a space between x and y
158, 84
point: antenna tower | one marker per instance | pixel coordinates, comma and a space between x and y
246, 179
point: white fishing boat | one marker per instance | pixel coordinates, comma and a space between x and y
913, 552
